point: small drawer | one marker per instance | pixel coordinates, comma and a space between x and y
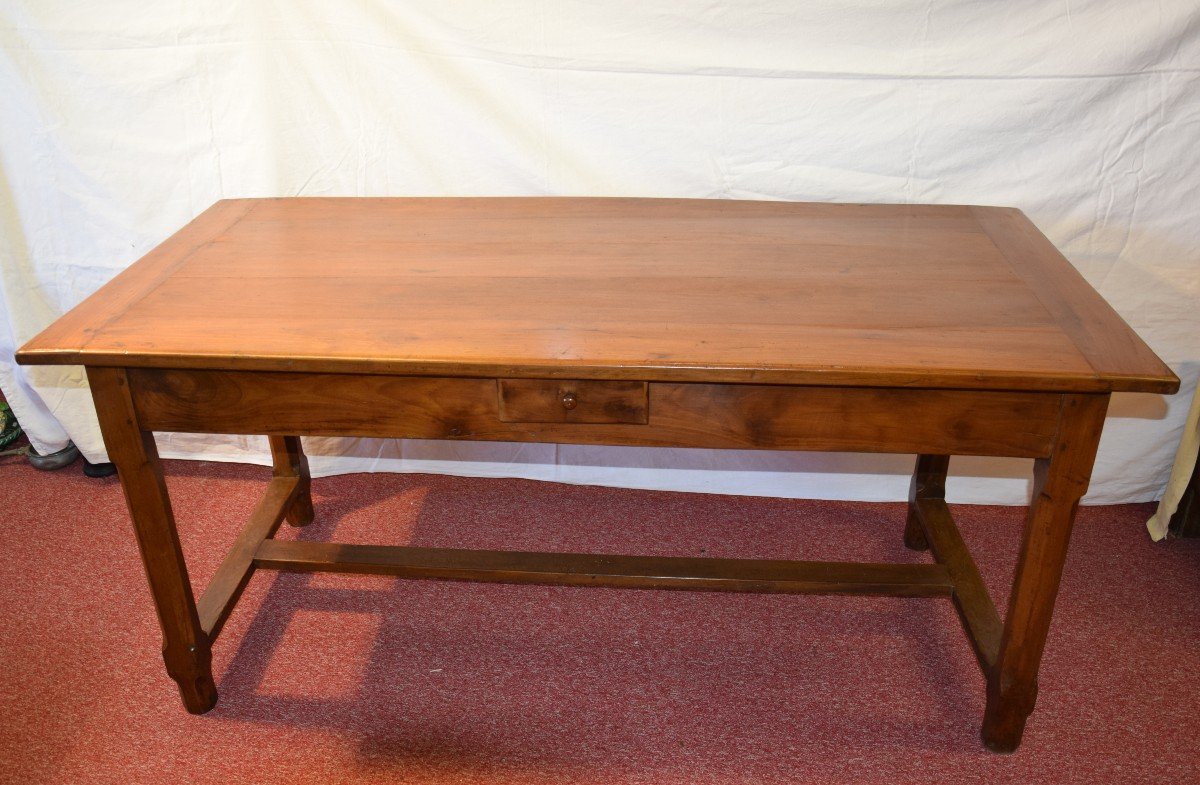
566, 400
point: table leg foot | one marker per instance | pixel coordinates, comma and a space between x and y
1005, 716
914, 535
301, 512
1002, 745
290, 461
191, 668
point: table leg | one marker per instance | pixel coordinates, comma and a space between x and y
186, 649
290, 461
928, 482
1059, 483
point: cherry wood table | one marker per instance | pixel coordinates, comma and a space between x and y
932, 330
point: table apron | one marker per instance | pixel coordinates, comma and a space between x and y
737, 416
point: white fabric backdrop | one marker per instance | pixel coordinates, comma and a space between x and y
119, 121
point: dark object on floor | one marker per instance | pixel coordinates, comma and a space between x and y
10, 429
55, 460
98, 469
1186, 520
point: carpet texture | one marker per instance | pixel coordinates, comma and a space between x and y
346, 679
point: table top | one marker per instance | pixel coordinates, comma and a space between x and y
613, 288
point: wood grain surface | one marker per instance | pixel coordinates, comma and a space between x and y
611, 570
739, 416
635, 289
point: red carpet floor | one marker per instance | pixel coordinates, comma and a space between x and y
339, 679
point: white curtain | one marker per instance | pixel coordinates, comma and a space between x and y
119, 121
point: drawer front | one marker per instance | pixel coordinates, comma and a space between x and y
579, 401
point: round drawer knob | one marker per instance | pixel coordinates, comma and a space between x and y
570, 400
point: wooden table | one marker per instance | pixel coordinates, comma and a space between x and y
934, 330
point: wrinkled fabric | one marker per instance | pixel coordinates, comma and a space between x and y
1181, 474
120, 121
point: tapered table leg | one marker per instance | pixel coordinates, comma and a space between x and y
928, 482
1059, 483
290, 461
186, 649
